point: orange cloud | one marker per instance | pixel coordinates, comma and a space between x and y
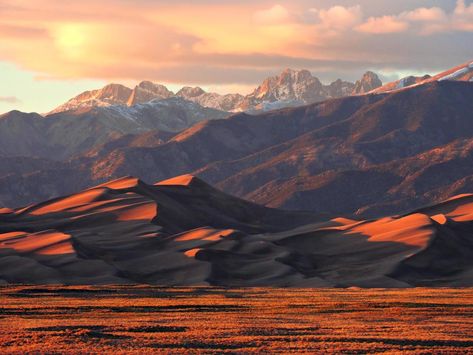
426, 14
382, 25
10, 99
273, 16
463, 17
339, 17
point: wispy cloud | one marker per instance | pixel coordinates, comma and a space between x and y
10, 99
383, 24
423, 21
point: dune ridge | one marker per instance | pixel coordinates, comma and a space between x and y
182, 231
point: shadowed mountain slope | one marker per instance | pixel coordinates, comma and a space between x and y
63, 135
354, 152
463, 72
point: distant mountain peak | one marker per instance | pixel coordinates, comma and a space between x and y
188, 92
368, 82
111, 94
289, 85
147, 91
295, 74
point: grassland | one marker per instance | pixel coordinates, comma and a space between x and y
217, 320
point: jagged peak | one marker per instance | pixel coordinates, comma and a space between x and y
108, 91
368, 82
188, 91
294, 75
151, 86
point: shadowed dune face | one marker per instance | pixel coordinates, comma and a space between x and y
183, 232
458, 208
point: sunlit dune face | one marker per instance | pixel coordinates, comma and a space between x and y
142, 211
464, 211
58, 249
205, 234
439, 218
192, 252
66, 203
43, 243
183, 180
126, 207
345, 221
122, 183
10, 236
414, 230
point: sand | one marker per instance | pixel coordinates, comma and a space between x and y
183, 232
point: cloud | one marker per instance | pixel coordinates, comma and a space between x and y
383, 25
423, 21
273, 16
10, 99
463, 17
423, 14
339, 17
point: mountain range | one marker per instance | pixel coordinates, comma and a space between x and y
290, 88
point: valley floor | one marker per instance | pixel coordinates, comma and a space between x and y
140, 319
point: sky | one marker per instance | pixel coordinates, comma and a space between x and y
51, 50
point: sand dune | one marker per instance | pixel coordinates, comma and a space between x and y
182, 231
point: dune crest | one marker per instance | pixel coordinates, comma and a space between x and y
183, 180
125, 182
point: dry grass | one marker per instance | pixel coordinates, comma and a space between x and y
216, 320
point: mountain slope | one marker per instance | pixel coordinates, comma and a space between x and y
271, 158
71, 133
228, 102
462, 72
111, 94
147, 91
184, 232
